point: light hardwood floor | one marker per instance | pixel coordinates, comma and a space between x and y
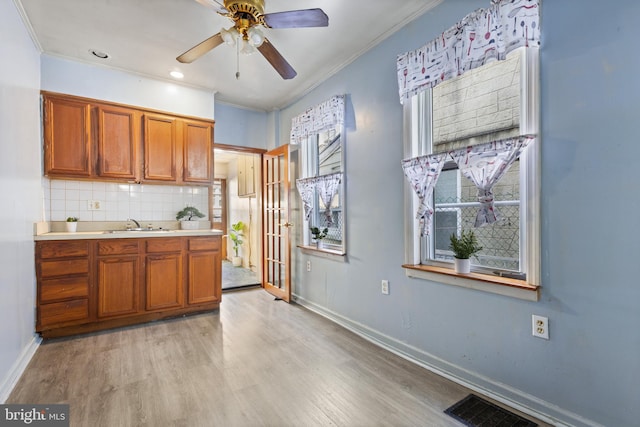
256, 362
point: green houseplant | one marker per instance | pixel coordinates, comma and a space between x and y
188, 218
318, 235
464, 247
72, 224
236, 235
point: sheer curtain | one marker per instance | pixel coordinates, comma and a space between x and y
422, 173
484, 165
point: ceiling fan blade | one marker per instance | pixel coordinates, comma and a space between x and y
200, 49
297, 19
276, 60
214, 4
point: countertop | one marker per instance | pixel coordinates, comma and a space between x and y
80, 235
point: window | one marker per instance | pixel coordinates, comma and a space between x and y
492, 102
322, 155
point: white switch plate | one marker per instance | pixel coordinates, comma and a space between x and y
308, 265
540, 326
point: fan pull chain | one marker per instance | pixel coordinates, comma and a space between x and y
238, 58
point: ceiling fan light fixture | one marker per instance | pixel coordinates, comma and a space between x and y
256, 38
229, 36
247, 48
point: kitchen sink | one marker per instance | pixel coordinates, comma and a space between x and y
138, 230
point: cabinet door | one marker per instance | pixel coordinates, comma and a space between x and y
197, 150
118, 286
246, 176
204, 282
117, 143
164, 281
160, 147
67, 137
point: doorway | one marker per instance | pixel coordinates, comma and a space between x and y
236, 202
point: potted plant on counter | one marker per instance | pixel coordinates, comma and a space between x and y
72, 224
236, 235
318, 235
464, 247
188, 218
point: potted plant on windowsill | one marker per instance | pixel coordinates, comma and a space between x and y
72, 224
188, 218
236, 235
318, 235
464, 247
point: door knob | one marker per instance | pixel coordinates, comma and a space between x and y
286, 224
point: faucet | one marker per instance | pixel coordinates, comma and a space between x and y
137, 223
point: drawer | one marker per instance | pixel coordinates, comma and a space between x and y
204, 244
164, 245
62, 312
118, 247
63, 288
62, 249
63, 267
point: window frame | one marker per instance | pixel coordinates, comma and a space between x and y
310, 169
416, 113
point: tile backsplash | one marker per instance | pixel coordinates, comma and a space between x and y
119, 201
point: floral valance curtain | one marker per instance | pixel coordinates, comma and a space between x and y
482, 36
326, 187
483, 164
422, 173
322, 117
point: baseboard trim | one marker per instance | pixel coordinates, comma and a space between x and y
10, 381
503, 393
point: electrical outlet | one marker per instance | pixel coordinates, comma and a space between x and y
540, 326
308, 265
93, 205
385, 287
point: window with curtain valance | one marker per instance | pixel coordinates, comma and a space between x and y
471, 120
319, 133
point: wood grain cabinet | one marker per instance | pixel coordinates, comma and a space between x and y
89, 285
67, 137
118, 277
92, 139
117, 143
204, 273
62, 271
164, 283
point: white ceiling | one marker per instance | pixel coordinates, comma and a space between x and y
145, 37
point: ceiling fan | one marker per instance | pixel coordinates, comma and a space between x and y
247, 15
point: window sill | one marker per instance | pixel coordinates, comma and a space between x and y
324, 253
482, 282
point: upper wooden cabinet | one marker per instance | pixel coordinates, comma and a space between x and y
92, 139
67, 137
117, 143
197, 151
160, 148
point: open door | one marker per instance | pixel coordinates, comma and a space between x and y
276, 277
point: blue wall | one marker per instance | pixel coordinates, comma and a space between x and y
589, 372
241, 127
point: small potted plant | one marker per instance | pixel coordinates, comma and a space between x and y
72, 224
236, 235
464, 247
188, 218
318, 235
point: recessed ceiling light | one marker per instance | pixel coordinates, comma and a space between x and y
176, 74
99, 54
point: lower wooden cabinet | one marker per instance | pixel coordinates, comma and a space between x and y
88, 285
